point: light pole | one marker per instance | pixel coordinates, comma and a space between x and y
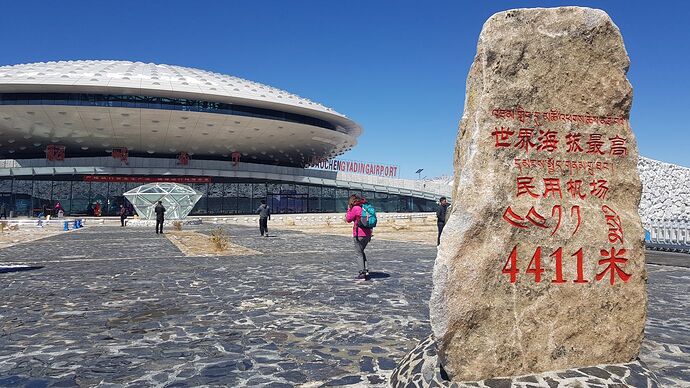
419, 173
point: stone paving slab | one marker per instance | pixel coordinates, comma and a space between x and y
666, 348
668, 258
124, 306
284, 317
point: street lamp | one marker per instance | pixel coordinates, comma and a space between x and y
419, 173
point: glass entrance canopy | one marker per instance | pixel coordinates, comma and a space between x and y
178, 199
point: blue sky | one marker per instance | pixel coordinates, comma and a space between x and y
396, 67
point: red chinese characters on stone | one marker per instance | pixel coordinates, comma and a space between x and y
612, 259
525, 186
55, 152
548, 140
551, 187
594, 144
525, 139
599, 188
502, 136
618, 146
572, 140
574, 187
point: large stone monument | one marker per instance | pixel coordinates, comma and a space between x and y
541, 263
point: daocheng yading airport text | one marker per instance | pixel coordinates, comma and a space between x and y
359, 167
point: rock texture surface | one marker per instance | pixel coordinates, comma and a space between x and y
421, 368
541, 263
665, 190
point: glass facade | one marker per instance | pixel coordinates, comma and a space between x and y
151, 102
78, 197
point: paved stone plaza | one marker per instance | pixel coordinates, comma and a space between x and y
116, 306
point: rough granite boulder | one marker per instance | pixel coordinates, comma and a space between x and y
541, 263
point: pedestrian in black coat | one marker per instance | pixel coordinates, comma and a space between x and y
123, 215
160, 217
441, 217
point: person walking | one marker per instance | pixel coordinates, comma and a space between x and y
123, 215
160, 216
441, 216
360, 235
264, 213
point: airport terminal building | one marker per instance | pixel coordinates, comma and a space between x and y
85, 132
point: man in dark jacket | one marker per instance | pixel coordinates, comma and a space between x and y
441, 217
160, 216
264, 215
123, 215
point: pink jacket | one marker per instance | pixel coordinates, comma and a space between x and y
353, 215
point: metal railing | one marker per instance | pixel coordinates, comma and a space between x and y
668, 235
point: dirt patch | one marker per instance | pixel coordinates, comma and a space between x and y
26, 233
423, 233
199, 244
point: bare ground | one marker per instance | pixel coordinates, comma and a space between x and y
199, 244
419, 232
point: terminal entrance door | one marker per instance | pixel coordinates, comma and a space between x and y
287, 202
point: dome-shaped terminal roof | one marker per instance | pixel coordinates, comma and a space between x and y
160, 110
110, 76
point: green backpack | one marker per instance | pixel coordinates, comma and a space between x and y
368, 219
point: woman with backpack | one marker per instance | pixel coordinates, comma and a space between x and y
360, 233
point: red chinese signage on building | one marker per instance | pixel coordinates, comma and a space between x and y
145, 179
235, 158
121, 154
183, 159
55, 152
552, 192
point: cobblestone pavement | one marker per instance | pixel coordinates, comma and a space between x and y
666, 348
115, 306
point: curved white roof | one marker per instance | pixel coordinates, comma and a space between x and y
109, 76
26, 129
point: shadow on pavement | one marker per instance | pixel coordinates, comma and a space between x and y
19, 268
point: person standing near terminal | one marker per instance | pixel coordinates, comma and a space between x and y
361, 236
123, 215
264, 213
441, 217
160, 216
